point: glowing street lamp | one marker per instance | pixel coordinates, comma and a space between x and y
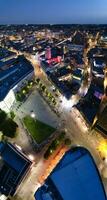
66, 103
3, 197
31, 157
103, 148
18, 147
33, 115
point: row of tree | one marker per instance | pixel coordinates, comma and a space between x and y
56, 143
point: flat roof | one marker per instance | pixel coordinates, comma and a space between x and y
13, 158
5, 53
102, 121
13, 73
78, 73
91, 102
75, 177
13, 168
66, 87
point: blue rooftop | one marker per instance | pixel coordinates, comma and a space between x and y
4, 53
74, 178
12, 73
78, 73
11, 157
13, 167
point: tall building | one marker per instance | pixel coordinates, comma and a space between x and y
48, 53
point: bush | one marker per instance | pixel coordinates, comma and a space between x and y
12, 115
47, 154
67, 141
20, 96
43, 88
55, 144
37, 80
61, 136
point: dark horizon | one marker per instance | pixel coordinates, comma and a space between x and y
57, 24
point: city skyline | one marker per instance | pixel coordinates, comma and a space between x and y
53, 100
54, 12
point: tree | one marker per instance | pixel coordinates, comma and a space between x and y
9, 128
47, 154
61, 136
20, 96
67, 141
7, 125
54, 145
12, 115
3, 116
43, 88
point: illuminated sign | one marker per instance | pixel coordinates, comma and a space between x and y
57, 60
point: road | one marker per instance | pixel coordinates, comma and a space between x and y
29, 186
77, 130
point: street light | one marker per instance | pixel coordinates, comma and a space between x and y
18, 147
3, 197
66, 103
103, 148
33, 115
31, 157
105, 161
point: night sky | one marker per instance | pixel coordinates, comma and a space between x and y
53, 11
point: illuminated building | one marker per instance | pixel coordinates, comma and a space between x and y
48, 53
13, 76
57, 60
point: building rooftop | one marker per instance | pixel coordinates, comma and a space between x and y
5, 54
13, 168
75, 177
102, 121
78, 73
91, 102
98, 65
12, 73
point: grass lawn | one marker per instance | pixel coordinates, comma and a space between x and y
38, 130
